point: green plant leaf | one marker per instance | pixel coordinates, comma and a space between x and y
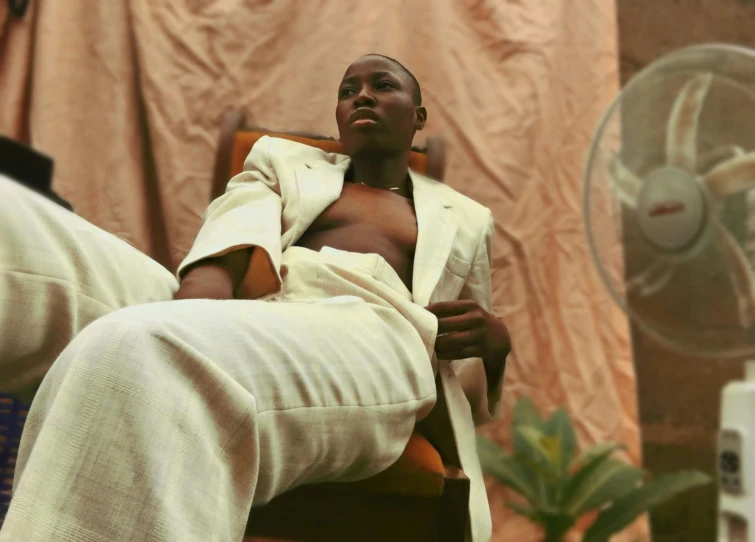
554, 522
552, 447
560, 427
525, 413
628, 508
535, 440
595, 454
525, 451
589, 461
541, 453
608, 481
523, 446
556, 526
508, 471
536, 477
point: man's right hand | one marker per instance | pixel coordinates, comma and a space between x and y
215, 278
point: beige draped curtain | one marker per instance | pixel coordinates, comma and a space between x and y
127, 95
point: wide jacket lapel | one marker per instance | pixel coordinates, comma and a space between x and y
437, 225
318, 184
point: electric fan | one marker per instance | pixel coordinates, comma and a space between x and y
669, 201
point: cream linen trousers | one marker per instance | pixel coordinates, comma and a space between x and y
167, 420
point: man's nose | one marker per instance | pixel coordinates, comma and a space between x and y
364, 98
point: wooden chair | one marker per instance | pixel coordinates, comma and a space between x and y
418, 499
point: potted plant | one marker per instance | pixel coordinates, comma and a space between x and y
559, 488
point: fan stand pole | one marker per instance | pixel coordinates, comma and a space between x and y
736, 460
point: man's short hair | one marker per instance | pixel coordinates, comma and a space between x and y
415, 84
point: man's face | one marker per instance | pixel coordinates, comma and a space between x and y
376, 109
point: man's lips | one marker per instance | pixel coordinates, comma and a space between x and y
363, 122
363, 117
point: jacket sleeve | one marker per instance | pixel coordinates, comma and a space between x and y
483, 396
247, 215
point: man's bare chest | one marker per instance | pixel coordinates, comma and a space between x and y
368, 221
384, 214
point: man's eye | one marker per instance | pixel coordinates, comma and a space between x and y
345, 92
383, 85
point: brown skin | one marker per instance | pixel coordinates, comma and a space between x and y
466, 330
373, 87
377, 118
214, 278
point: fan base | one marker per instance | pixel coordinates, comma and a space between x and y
736, 460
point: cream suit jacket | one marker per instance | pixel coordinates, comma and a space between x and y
282, 190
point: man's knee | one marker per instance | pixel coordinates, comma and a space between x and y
144, 319
127, 331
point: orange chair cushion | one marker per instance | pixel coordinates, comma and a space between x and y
419, 472
244, 141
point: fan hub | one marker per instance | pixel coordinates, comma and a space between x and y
671, 209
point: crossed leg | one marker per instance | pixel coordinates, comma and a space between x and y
169, 420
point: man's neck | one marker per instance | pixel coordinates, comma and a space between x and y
386, 172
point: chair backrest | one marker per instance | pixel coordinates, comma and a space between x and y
237, 139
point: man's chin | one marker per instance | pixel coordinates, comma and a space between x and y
363, 142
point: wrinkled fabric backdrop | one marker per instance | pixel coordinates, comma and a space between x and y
127, 96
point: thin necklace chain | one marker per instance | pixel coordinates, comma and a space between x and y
394, 189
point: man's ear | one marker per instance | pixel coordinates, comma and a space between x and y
421, 114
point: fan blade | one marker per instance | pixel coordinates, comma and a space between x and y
653, 279
740, 275
681, 132
712, 158
625, 183
735, 175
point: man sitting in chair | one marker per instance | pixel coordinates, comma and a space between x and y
301, 345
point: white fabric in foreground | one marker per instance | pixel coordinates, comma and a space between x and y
168, 420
